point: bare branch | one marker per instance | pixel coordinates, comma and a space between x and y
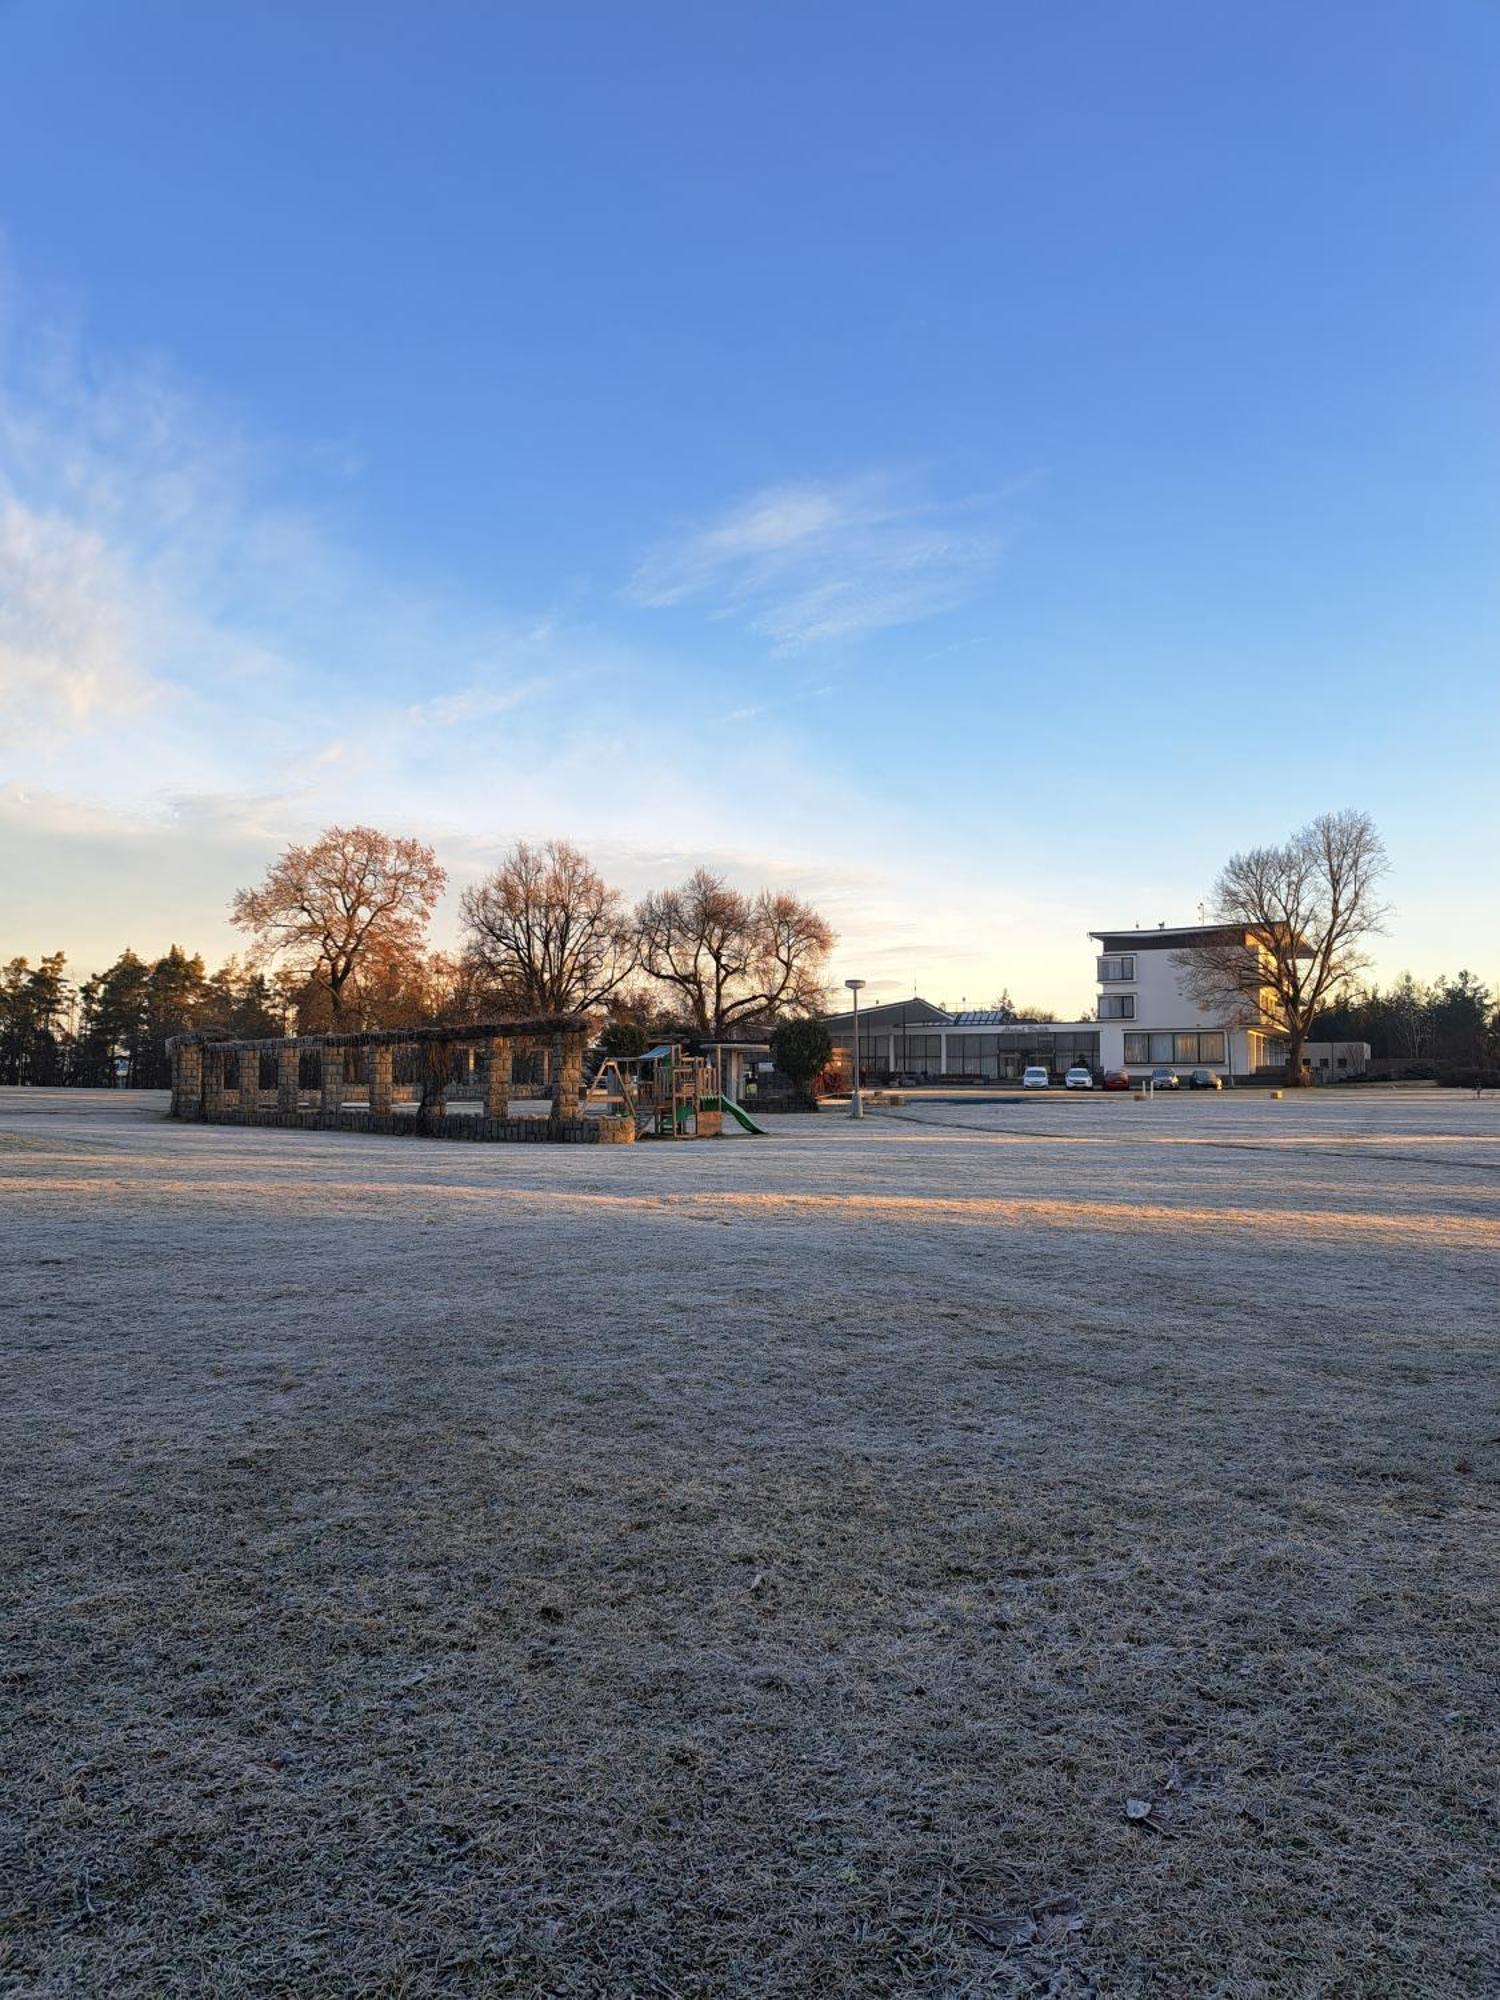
1295, 922
733, 959
548, 931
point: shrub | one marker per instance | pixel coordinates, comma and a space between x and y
801, 1049
623, 1040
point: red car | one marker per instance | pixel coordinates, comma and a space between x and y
1116, 1079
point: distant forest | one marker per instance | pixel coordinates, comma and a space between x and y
112, 1030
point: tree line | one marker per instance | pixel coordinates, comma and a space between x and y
114, 1027
337, 937
1446, 1027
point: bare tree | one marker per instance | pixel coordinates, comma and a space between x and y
1295, 919
354, 898
731, 957
548, 931
1411, 1005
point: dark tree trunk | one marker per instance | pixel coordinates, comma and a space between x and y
436, 1060
1294, 1074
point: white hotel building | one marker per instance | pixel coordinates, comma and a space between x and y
1145, 1019
1148, 1019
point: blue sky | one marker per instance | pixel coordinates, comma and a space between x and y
979, 463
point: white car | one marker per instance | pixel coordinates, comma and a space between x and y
1079, 1078
1036, 1078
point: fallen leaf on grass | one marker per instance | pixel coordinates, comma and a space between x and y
1142, 1812
1005, 1933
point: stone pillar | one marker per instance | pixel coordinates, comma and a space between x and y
288, 1077
433, 1062
497, 1079
187, 1080
567, 1076
213, 1082
333, 1079
249, 1084
382, 1069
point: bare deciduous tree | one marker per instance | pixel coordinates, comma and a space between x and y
548, 931
1411, 1007
733, 958
1298, 917
353, 898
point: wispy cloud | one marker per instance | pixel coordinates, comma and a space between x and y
70, 618
478, 702
807, 563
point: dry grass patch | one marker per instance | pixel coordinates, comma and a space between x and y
422, 1595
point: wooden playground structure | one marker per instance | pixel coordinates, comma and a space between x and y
669, 1093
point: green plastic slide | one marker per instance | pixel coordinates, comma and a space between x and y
736, 1111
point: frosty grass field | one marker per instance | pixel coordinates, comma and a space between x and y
755, 1568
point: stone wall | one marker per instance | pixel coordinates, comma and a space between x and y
543, 1131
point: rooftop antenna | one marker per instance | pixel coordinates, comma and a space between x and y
1203, 913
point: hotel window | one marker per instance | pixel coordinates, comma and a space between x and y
1137, 1048
1117, 1007
1200, 1048
1113, 968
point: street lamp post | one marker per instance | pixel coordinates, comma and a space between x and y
856, 1102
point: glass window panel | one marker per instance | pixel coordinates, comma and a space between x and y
1161, 1049
1186, 1050
1211, 1048
1137, 1048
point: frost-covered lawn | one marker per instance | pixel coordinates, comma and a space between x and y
755, 1568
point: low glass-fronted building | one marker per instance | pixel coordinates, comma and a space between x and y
911, 1040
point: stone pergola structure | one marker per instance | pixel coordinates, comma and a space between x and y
201, 1091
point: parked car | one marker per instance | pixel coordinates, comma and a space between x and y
1165, 1079
1035, 1078
1205, 1079
1116, 1079
1079, 1077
